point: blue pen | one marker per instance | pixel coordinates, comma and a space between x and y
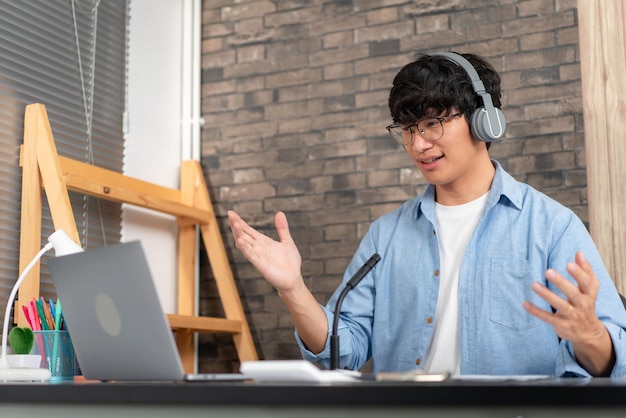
52, 309
57, 327
58, 317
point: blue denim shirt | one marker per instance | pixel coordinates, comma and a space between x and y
521, 233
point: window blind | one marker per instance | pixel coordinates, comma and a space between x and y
69, 55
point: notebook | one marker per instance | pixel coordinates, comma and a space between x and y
114, 316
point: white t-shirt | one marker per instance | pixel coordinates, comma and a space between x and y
456, 226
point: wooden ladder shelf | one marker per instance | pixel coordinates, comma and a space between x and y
44, 170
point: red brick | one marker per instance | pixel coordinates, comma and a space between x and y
236, 11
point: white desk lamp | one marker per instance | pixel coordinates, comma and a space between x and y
63, 245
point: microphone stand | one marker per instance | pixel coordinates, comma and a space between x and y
354, 280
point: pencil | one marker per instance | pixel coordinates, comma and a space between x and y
47, 314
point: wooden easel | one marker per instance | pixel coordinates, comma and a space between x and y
43, 169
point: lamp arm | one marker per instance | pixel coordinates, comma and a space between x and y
7, 315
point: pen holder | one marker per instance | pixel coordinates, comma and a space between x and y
57, 353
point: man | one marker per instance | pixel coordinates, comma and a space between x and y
479, 275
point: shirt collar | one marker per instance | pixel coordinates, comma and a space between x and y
504, 186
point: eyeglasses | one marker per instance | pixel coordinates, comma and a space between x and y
430, 128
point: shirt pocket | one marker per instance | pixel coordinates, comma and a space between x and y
509, 287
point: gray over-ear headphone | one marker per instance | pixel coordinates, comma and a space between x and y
487, 123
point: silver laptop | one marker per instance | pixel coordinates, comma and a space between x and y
114, 316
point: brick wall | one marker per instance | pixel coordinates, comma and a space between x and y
294, 95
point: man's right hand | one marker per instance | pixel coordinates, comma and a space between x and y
278, 261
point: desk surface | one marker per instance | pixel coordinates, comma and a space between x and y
570, 396
555, 392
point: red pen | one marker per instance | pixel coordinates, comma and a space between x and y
35, 317
27, 316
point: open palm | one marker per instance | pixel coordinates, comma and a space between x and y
278, 261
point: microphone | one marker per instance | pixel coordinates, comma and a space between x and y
354, 280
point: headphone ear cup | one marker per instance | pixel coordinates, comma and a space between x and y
485, 130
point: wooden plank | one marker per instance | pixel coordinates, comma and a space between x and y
52, 176
187, 266
187, 260
185, 343
30, 232
603, 65
204, 323
114, 186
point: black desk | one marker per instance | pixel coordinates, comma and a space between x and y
545, 398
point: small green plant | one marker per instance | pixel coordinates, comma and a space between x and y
21, 340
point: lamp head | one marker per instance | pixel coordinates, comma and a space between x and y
63, 244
